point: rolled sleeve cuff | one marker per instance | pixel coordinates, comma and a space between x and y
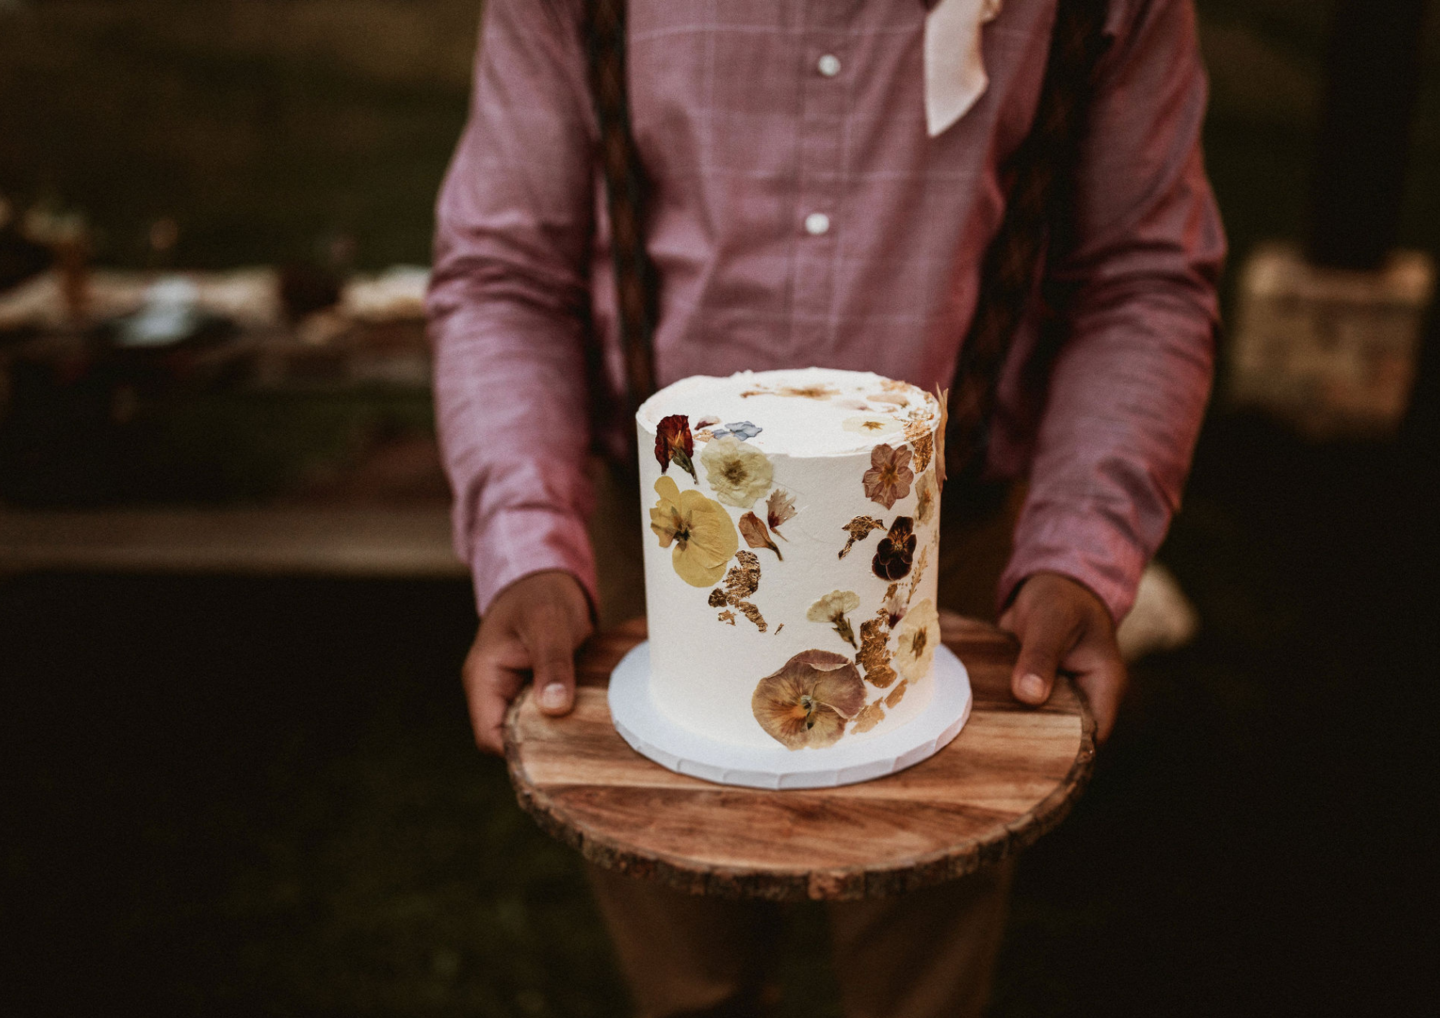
519, 542
1088, 549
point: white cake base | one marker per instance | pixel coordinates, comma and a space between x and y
653, 735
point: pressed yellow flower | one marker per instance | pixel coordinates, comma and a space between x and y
831, 609
738, 472
919, 636
698, 528
809, 700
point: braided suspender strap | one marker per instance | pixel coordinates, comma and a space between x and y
625, 191
1041, 194
1037, 212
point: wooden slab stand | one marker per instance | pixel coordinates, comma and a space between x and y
1010, 776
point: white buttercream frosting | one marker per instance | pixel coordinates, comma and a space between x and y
811, 435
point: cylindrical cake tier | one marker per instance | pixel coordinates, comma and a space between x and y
791, 530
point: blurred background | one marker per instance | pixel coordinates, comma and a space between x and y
237, 776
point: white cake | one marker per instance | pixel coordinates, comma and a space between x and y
791, 552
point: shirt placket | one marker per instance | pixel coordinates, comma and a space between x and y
818, 220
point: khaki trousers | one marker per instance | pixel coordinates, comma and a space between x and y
921, 955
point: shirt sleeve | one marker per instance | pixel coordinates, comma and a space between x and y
1130, 383
509, 301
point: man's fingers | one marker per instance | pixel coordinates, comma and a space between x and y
1104, 687
489, 688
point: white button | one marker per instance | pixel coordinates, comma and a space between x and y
817, 223
829, 65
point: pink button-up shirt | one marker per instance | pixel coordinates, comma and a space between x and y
801, 216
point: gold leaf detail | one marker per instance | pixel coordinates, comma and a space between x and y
868, 718
897, 694
874, 655
859, 528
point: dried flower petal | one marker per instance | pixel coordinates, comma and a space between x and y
673, 441
738, 472
893, 556
893, 610
916, 642
925, 498
943, 395
874, 655
831, 609
919, 573
779, 507
808, 701
752, 528
897, 694
821, 392
889, 475
859, 528
700, 530
740, 429
868, 718
867, 425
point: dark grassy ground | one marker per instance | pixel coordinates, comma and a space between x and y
252, 797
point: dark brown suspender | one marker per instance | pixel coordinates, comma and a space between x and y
1036, 216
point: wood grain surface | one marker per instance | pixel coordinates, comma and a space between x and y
1009, 776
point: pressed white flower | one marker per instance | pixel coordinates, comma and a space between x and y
738, 472
925, 498
919, 636
832, 608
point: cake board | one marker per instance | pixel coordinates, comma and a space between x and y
651, 733
1010, 776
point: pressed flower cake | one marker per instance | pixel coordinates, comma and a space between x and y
791, 551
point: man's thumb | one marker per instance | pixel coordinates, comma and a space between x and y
1041, 650
552, 660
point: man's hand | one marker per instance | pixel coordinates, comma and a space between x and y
532, 628
1063, 626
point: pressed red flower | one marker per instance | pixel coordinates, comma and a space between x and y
897, 550
674, 441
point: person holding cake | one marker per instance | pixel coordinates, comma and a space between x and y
1004, 204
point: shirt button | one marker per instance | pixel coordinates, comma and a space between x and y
829, 65
817, 223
